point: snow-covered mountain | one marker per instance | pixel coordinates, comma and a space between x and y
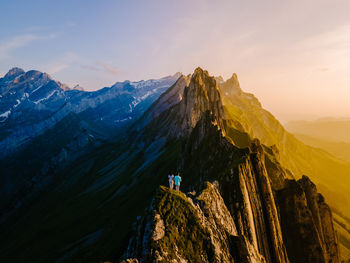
32, 102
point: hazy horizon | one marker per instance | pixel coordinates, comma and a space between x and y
294, 57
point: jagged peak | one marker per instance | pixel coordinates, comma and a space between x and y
200, 96
17, 76
201, 78
187, 101
234, 76
178, 74
13, 73
231, 85
198, 70
199, 73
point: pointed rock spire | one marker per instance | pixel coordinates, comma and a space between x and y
231, 86
200, 96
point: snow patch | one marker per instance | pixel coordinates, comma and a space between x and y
136, 101
5, 115
122, 120
16, 105
47, 97
18, 77
37, 88
141, 84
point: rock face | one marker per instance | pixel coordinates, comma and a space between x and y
200, 96
307, 223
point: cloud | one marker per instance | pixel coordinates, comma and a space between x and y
6, 48
9, 46
102, 66
109, 68
90, 67
323, 69
62, 63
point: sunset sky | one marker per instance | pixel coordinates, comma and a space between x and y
293, 55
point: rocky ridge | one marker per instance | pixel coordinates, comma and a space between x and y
248, 202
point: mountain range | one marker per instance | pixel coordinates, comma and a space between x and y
329, 134
330, 129
80, 176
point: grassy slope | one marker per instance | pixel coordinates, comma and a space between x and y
178, 213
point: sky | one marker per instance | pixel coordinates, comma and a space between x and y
293, 55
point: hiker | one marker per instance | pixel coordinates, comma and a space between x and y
177, 180
171, 181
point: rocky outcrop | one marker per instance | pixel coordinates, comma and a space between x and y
307, 223
231, 86
200, 96
248, 193
177, 115
180, 228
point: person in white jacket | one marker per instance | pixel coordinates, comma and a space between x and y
171, 181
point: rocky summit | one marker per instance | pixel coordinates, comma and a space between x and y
239, 201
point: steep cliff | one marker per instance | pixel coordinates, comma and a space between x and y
307, 223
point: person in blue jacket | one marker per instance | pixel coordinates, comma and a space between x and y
177, 180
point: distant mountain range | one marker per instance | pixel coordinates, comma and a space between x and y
32, 102
80, 179
329, 129
329, 134
339, 149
